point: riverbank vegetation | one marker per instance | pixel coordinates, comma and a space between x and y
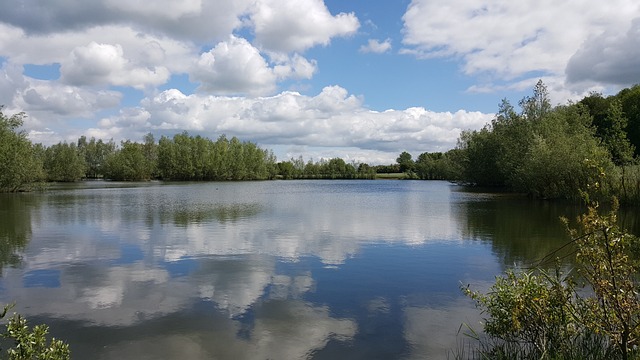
590, 312
541, 150
549, 151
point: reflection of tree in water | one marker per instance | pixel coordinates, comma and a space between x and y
629, 218
521, 231
15, 226
195, 214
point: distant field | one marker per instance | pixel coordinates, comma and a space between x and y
390, 176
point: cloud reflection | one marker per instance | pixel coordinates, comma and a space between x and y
134, 258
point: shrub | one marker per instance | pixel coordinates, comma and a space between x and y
32, 343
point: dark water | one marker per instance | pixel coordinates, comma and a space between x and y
263, 270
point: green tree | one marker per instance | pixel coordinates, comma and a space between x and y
614, 134
537, 106
286, 169
95, 154
64, 162
406, 162
564, 156
150, 149
630, 99
128, 163
20, 167
480, 151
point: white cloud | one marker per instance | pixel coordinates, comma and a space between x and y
66, 100
376, 46
142, 50
49, 102
510, 40
332, 118
286, 26
234, 67
105, 64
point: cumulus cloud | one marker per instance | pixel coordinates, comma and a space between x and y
237, 67
143, 50
47, 102
332, 118
509, 40
376, 46
286, 26
67, 100
105, 64
609, 58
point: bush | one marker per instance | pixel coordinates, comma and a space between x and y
32, 343
534, 315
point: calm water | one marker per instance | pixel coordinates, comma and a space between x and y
263, 270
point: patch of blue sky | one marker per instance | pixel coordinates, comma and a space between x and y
131, 97
42, 72
180, 82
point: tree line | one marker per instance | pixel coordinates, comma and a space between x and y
335, 168
541, 150
548, 151
183, 157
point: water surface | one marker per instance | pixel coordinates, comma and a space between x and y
263, 270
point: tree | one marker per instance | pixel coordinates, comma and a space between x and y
20, 167
150, 149
630, 99
480, 150
128, 163
536, 106
95, 154
564, 157
63, 162
405, 161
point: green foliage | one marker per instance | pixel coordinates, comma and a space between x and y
534, 315
532, 309
335, 168
197, 158
614, 134
128, 163
406, 162
31, 343
563, 157
480, 151
20, 165
64, 162
95, 153
604, 251
438, 166
544, 151
630, 99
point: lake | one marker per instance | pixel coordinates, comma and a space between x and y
264, 270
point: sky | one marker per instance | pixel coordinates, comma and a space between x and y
357, 79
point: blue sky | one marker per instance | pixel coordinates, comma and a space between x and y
357, 79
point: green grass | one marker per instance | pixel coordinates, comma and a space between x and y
392, 176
